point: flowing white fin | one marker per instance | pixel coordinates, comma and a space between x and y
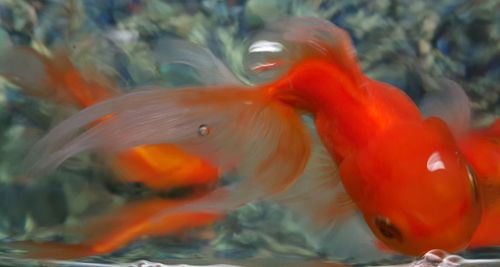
262, 141
54, 78
210, 69
319, 193
130, 222
450, 103
24, 68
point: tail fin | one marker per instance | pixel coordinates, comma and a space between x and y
58, 80
55, 79
263, 141
448, 102
129, 222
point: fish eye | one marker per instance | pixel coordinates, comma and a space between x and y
388, 229
473, 182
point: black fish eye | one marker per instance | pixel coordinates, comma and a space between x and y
387, 229
473, 182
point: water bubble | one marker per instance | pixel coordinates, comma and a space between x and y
266, 59
435, 256
452, 261
203, 130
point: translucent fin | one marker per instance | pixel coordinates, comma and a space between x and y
318, 193
262, 141
290, 40
54, 78
210, 69
450, 103
25, 68
49, 250
129, 222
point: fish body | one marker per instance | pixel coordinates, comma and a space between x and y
390, 158
404, 171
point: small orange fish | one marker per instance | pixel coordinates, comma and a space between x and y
160, 166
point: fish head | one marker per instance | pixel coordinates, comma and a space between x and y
414, 188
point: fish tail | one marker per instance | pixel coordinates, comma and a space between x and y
52, 250
262, 142
54, 78
138, 219
58, 80
129, 223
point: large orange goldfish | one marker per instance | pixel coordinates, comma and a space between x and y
403, 171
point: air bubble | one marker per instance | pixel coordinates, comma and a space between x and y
266, 58
452, 261
435, 256
203, 130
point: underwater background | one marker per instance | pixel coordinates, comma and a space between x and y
403, 42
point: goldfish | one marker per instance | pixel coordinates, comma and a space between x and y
481, 150
159, 167
401, 169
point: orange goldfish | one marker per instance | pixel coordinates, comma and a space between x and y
160, 166
403, 171
481, 150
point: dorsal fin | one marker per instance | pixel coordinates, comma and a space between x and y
450, 103
25, 68
210, 69
318, 193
